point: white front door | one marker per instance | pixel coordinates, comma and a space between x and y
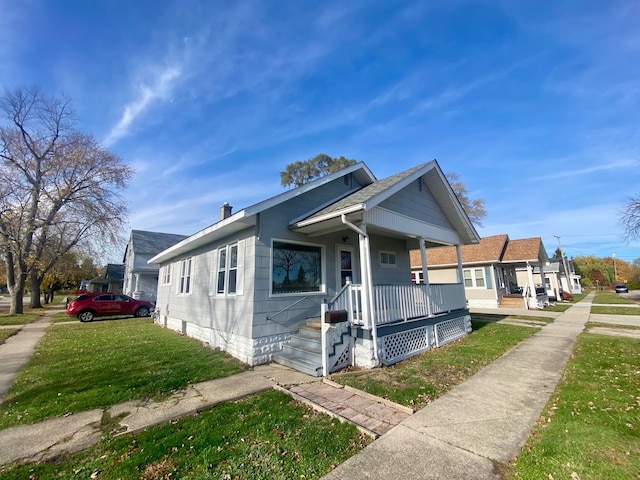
345, 267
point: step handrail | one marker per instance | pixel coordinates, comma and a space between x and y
270, 317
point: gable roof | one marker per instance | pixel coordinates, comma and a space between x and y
493, 249
369, 197
151, 243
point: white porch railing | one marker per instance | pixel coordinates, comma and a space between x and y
392, 303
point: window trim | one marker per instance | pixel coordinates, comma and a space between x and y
323, 269
165, 277
391, 255
181, 289
473, 277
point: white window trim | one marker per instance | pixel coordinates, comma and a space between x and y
390, 254
180, 289
323, 270
165, 274
473, 277
215, 270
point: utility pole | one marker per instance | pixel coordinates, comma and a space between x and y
564, 263
615, 267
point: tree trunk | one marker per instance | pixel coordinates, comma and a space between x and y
36, 301
15, 285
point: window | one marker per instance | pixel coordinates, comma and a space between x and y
474, 278
388, 259
227, 277
296, 268
184, 285
166, 275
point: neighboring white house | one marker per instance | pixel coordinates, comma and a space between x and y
490, 271
336, 248
555, 280
141, 278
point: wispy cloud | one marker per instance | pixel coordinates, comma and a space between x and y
620, 165
148, 93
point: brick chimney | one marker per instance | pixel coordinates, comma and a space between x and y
225, 210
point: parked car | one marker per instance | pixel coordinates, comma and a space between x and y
90, 305
622, 289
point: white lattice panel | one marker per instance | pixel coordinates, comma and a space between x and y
401, 345
450, 330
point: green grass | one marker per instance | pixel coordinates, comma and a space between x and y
611, 298
84, 366
266, 436
421, 379
559, 307
494, 317
612, 325
613, 310
62, 317
590, 428
19, 319
7, 332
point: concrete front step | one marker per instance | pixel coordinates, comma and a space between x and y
303, 352
301, 362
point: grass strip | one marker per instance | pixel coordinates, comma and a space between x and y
18, 319
591, 425
265, 436
7, 332
421, 379
612, 310
84, 366
611, 298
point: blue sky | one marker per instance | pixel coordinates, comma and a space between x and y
534, 104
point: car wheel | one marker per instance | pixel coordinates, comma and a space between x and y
142, 312
86, 316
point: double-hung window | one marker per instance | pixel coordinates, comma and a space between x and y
166, 274
227, 277
474, 278
184, 285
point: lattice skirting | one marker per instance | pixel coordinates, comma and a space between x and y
451, 330
401, 345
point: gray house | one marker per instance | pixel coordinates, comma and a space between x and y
140, 279
319, 277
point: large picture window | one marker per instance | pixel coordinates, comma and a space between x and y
296, 268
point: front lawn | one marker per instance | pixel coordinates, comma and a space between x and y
421, 379
19, 319
590, 428
611, 298
265, 436
613, 310
84, 366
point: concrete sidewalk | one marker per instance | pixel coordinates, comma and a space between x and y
16, 351
484, 420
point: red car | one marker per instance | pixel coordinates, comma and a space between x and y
90, 305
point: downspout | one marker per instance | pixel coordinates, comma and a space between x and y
367, 281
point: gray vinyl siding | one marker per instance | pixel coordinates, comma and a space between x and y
421, 205
398, 275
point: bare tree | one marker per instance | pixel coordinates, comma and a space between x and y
61, 189
630, 219
474, 208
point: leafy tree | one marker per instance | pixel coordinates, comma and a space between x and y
300, 172
59, 190
474, 208
630, 219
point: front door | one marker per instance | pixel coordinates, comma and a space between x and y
345, 267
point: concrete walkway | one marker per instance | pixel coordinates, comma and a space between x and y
484, 420
16, 351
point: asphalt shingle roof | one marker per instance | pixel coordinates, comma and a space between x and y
153, 242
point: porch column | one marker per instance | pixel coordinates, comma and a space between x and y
425, 276
532, 284
459, 257
367, 289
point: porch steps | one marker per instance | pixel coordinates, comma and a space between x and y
515, 301
303, 352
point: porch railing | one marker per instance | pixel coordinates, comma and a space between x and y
392, 303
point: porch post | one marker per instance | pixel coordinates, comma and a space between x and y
425, 276
459, 257
367, 290
532, 284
